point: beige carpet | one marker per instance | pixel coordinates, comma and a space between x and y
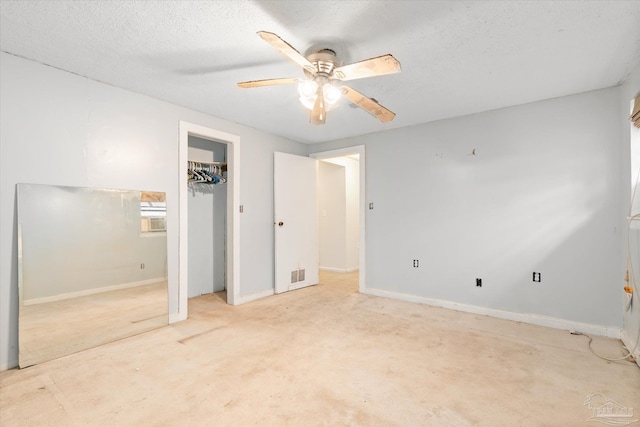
325, 355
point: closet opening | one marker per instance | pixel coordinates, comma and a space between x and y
209, 226
207, 217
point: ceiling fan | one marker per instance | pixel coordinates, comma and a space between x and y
319, 91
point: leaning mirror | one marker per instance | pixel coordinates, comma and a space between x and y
92, 268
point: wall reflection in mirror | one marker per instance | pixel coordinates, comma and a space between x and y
92, 268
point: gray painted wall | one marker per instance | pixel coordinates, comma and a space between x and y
541, 194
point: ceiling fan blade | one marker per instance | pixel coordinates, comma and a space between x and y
369, 105
269, 82
379, 66
319, 113
288, 50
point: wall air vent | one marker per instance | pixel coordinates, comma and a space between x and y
158, 224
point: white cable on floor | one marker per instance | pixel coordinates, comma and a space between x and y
610, 359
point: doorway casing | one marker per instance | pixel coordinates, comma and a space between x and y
233, 208
342, 152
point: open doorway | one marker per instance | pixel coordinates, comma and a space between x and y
341, 210
338, 192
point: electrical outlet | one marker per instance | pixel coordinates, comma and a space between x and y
537, 277
479, 283
371, 205
416, 263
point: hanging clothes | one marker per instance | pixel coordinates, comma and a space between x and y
207, 173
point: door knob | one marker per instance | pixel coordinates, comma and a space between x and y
280, 223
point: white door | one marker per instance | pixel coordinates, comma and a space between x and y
295, 222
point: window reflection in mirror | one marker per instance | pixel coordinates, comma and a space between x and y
153, 212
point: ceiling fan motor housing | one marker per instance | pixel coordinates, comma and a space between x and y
325, 62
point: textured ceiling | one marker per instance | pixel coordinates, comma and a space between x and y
457, 58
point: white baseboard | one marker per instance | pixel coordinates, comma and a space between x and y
339, 270
629, 344
179, 317
176, 317
534, 319
254, 296
86, 292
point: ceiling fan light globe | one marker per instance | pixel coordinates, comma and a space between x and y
308, 89
308, 101
331, 93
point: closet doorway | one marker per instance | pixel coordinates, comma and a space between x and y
208, 215
341, 211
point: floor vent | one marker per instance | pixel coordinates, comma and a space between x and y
297, 276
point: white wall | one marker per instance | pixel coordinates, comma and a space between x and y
542, 193
352, 190
332, 218
79, 132
634, 147
630, 167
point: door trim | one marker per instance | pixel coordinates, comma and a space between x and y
360, 150
233, 209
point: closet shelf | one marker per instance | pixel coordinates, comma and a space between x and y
193, 163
